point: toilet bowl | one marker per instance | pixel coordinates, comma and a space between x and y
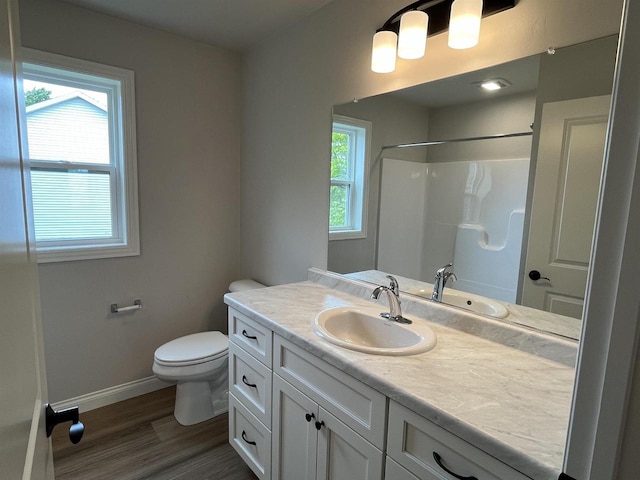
198, 364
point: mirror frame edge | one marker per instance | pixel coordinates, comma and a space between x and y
608, 349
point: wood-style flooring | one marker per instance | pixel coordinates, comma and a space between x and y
139, 439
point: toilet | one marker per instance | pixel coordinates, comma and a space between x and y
198, 363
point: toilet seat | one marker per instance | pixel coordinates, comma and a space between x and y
193, 349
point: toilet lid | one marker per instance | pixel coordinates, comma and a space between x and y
191, 349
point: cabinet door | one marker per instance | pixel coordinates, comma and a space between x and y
345, 455
294, 439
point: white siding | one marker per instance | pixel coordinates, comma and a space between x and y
73, 130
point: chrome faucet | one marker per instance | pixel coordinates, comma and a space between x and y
393, 296
442, 277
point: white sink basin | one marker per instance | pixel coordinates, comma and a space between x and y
469, 301
362, 329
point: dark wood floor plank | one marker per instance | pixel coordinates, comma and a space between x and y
139, 439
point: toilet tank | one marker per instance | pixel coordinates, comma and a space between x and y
245, 284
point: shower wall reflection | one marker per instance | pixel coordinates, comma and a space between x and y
469, 213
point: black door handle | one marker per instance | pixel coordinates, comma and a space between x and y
53, 418
535, 276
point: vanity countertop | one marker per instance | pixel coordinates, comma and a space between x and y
511, 404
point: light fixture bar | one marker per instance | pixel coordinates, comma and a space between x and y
405, 32
439, 12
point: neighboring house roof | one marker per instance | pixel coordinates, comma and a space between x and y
64, 98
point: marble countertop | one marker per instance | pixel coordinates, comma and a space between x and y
512, 404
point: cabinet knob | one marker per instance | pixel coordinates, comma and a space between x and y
309, 416
319, 425
438, 460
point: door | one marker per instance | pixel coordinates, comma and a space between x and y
345, 455
25, 451
294, 435
565, 196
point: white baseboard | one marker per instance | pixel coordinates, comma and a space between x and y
114, 394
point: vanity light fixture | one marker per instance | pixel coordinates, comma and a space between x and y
405, 33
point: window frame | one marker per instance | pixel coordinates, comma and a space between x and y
119, 84
358, 184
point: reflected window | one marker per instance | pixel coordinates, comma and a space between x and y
349, 162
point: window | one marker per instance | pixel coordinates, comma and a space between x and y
80, 124
349, 179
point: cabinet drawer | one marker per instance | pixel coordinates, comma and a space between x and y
250, 335
412, 441
250, 438
357, 405
250, 382
393, 471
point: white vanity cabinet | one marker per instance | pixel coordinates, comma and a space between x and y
250, 394
310, 443
326, 424
294, 416
432, 453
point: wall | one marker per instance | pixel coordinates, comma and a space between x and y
503, 114
188, 101
394, 120
295, 76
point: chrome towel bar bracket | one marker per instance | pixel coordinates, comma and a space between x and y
137, 305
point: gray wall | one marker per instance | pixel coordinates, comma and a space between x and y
504, 114
293, 78
188, 107
394, 120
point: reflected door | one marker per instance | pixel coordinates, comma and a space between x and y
565, 197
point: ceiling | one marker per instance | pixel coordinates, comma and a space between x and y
461, 89
235, 24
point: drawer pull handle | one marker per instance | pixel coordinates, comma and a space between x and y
244, 437
319, 425
250, 337
246, 382
309, 416
438, 460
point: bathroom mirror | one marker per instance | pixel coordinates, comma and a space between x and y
515, 216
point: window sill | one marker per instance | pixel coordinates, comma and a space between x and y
349, 235
51, 255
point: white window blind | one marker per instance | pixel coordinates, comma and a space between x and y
71, 204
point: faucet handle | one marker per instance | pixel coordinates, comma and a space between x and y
442, 270
393, 285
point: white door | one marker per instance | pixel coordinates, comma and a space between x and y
565, 196
345, 455
294, 435
25, 451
